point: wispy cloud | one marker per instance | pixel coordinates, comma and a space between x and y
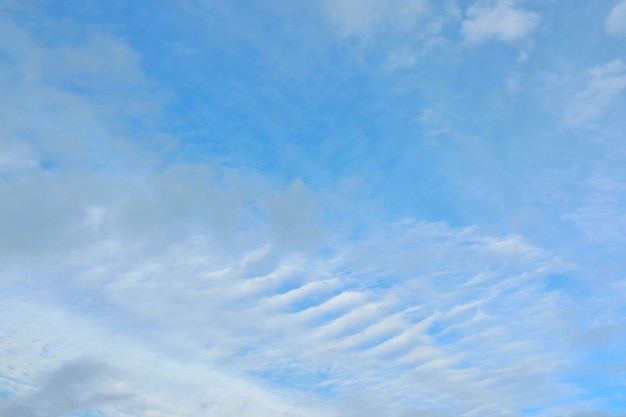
616, 20
599, 214
364, 18
502, 22
607, 81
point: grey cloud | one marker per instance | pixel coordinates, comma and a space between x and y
53, 214
291, 216
64, 112
77, 386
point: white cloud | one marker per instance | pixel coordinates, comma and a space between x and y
362, 18
66, 108
398, 33
600, 214
418, 302
45, 371
616, 21
502, 22
608, 80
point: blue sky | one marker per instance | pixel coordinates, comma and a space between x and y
318, 208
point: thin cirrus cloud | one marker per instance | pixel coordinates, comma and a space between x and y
240, 231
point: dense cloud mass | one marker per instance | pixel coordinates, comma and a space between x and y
74, 387
344, 208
